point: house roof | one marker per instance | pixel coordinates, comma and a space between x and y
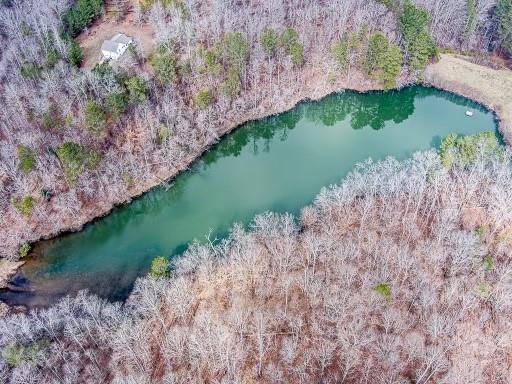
122, 38
109, 46
112, 44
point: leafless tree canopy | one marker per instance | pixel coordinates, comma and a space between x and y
43, 98
400, 274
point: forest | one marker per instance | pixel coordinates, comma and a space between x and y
69, 134
399, 274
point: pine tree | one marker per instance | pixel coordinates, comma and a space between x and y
75, 55
383, 60
81, 15
26, 158
503, 17
339, 52
269, 41
391, 66
165, 65
291, 44
470, 18
95, 119
235, 50
419, 44
377, 47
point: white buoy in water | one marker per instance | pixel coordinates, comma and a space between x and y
469, 113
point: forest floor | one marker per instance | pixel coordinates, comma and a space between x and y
106, 27
491, 87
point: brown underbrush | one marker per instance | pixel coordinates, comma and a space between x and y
401, 274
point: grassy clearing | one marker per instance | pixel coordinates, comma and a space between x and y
106, 27
488, 86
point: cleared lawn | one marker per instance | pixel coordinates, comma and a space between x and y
488, 86
105, 28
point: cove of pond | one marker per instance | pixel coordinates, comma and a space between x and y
278, 163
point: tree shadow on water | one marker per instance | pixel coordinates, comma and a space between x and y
378, 108
373, 109
259, 134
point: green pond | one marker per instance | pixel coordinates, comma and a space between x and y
278, 163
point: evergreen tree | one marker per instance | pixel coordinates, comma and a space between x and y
26, 158
419, 44
30, 71
232, 85
339, 52
383, 60
296, 52
75, 158
138, 90
377, 48
75, 55
269, 41
503, 18
390, 4
204, 98
211, 62
291, 44
52, 58
24, 205
391, 66
95, 119
116, 104
81, 15
165, 65
235, 50
159, 267
72, 157
288, 38
470, 18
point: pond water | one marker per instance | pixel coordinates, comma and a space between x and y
278, 163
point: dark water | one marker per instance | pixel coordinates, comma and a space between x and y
277, 164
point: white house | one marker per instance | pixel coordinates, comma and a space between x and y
115, 47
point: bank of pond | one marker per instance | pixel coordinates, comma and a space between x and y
278, 164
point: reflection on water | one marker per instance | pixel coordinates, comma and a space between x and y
279, 163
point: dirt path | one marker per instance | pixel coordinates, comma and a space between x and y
488, 86
106, 27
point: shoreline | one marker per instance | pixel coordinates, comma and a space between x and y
7, 270
455, 74
314, 91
